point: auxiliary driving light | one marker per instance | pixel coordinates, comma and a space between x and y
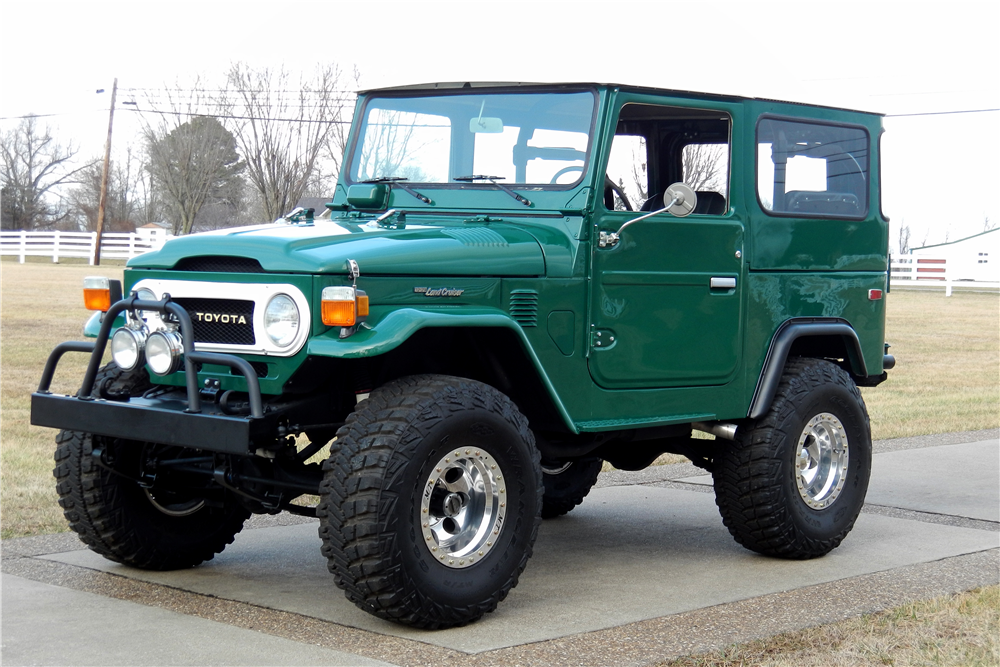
127, 347
343, 306
164, 350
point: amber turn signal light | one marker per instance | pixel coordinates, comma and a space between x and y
100, 292
343, 306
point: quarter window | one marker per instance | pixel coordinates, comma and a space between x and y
812, 169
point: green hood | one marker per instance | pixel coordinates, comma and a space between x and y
326, 245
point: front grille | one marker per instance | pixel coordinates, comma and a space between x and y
219, 264
224, 321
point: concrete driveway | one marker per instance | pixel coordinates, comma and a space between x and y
643, 571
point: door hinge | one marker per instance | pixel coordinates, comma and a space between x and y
601, 338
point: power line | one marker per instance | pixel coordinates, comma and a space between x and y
223, 90
228, 117
52, 115
938, 113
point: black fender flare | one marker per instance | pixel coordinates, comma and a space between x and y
781, 344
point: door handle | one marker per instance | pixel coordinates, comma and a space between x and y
722, 283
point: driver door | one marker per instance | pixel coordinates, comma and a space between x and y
667, 298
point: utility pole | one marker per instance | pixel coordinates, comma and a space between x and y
104, 179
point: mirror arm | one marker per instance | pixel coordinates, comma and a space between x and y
610, 239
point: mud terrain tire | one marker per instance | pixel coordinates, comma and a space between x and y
116, 517
430, 501
794, 481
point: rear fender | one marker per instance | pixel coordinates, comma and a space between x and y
842, 342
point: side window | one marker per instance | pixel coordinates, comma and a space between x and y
812, 169
655, 146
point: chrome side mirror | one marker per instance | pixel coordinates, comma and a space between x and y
680, 202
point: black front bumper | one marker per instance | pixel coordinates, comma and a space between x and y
177, 418
155, 420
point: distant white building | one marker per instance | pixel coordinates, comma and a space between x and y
154, 232
973, 258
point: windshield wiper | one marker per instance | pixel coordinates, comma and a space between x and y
493, 180
398, 182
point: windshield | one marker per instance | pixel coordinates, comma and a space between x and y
529, 138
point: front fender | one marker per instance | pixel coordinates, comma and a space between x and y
93, 325
388, 328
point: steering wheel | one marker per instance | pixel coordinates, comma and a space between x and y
608, 183
564, 170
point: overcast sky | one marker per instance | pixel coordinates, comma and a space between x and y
940, 173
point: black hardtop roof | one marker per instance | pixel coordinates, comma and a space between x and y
469, 85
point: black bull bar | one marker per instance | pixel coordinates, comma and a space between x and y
167, 421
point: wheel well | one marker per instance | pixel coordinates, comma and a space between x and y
493, 356
833, 339
832, 348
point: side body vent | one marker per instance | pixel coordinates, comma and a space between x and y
219, 264
524, 307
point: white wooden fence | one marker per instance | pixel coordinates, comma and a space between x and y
58, 245
930, 273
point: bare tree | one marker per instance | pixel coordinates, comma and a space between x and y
193, 160
387, 144
336, 145
640, 175
282, 127
706, 167
34, 167
904, 240
987, 224
126, 195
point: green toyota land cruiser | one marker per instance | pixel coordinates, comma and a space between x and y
512, 284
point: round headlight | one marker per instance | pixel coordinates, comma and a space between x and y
150, 317
281, 320
164, 350
126, 348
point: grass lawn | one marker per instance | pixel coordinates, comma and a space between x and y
947, 375
954, 631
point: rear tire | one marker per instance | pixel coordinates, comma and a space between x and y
793, 482
567, 484
430, 502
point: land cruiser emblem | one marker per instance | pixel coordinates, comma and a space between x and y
222, 318
440, 291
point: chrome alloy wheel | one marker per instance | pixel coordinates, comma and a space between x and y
821, 463
462, 507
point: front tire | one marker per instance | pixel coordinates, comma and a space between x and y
164, 525
793, 482
430, 502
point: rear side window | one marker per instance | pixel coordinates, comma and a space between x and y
812, 169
